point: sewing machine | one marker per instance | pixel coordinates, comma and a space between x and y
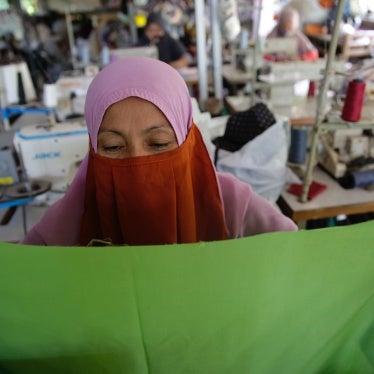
291, 78
346, 150
8, 168
71, 90
244, 55
52, 152
282, 81
72, 86
12, 76
144, 51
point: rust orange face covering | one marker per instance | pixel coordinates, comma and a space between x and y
171, 197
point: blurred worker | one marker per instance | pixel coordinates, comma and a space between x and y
170, 50
289, 27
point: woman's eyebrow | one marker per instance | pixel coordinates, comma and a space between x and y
162, 127
109, 130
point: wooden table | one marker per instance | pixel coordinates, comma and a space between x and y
334, 201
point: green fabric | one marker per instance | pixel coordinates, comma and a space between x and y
276, 303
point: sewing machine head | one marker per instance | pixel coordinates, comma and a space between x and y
286, 45
52, 152
71, 94
346, 150
11, 77
244, 55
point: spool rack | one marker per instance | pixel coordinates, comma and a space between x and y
322, 125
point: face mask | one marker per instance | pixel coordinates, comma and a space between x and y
172, 197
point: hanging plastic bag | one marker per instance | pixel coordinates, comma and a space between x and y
262, 162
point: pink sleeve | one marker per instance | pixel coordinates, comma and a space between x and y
246, 212
60, 224
32, 237
261, 216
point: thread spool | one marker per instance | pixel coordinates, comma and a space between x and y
354, 101
50, 95
85, 54
363, 178
105, 56
298, 147
312, 89
244, 37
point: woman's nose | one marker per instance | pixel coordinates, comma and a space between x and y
136, 151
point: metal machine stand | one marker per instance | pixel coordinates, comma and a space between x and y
321, 102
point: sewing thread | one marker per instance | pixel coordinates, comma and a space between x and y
354, 101
312, 89
298, 148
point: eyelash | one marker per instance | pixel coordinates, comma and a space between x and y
116, 148
113, 148
159, 145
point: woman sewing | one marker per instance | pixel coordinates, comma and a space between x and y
288, 26
148, 178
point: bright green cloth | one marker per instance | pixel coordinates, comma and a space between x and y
276, 303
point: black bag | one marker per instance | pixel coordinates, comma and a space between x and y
242, 127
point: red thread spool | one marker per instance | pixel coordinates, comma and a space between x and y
312, 89
354, 100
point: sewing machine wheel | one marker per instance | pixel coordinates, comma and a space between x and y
27, 189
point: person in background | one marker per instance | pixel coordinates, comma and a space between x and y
148, 178
170, 50
114, 35
289, 26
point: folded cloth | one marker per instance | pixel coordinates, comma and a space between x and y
315, 189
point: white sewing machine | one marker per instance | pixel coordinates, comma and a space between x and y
289, 79
144, 51
52, 152
244, 55
340, 148
71, 90
10, 75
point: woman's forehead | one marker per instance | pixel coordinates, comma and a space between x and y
135, 106
146, 78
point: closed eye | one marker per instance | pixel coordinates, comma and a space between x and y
113, 147
160, 145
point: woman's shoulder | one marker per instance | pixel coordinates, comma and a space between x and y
229, 184
236, 196
246, 212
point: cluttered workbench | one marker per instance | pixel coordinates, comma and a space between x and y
333, 201
343, 145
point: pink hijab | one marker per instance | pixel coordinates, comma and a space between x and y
146, 78
159, 83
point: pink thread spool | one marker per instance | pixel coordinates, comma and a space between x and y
354, 100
